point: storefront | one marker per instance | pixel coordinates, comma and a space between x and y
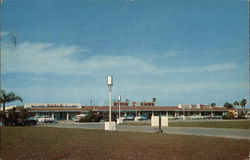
67, 111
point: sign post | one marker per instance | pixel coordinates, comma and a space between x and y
119, 120
110, 125
110, 84
160, 130
119, 101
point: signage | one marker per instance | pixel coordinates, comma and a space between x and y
110, 80
134, 104
147, 104
121, 103
52, 105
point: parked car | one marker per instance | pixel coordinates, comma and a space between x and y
171, 117
44, 119
217, 117
248, 115
79, 116
194, 117
143, 117
123, 118
30, 121
130, 117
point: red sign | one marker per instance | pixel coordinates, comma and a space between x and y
134, 104
121, 103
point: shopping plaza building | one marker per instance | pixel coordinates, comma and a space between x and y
67, 111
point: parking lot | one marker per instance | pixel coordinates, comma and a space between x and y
215, 132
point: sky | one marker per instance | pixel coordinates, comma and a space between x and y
179, 52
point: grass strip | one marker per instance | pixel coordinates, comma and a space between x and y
45, 143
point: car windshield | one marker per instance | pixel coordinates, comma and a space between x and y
30, 118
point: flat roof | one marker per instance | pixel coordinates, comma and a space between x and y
127, 108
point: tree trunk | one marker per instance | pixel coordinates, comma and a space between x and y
4, 118
4, 108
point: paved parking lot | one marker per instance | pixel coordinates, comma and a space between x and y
216, 132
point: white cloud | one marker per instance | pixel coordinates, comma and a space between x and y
120, 64
48, 58
194, 92
209, 68
40, 58
174, 88
165, 55
173, 53
33, 79
3, 33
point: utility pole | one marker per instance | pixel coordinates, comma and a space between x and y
119, 101
91, 102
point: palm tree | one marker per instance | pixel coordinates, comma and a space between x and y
213, 104
236, 103
8, 97
228, 105
243, 103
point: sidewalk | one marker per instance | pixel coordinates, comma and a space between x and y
214, 132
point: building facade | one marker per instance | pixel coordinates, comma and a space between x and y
67, 111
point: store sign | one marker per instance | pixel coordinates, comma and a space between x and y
121, 103
147, 104
52, 105
134, 104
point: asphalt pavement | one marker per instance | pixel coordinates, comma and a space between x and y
214, 132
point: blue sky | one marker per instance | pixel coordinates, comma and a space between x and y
181, 52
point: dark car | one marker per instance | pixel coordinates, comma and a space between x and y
130, 117
143, 117
30, 121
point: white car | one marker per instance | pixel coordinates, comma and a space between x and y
44, 119
79, 116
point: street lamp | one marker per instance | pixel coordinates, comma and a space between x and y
119, 120
119, 102
110, 84
183, 113
110, 125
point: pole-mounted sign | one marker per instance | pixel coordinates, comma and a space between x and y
134, 104
119, 101
110, 81
110, 125
110, 84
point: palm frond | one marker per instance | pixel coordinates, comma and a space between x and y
9, 97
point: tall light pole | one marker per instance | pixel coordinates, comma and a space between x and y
119, 101
110, 84
110, 126
183, 113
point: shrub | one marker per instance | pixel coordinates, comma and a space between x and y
241, 115
228, 105
229, 115
13, 118
91, 117
106, 116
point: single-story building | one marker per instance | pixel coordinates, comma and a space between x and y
66, 111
